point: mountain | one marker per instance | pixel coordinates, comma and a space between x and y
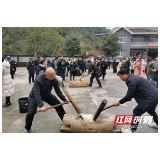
152, 28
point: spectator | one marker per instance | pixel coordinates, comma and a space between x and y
108, 64
12, 68
13, 63
36, 63
114, 66
137, 67
81, 65
155, 72
31, 70
72, 70
7, 82
132, 66
127, 64
49, 63
120, 63
149, 72
52, 64
42, 66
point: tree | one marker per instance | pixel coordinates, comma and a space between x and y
109, 45
72, 45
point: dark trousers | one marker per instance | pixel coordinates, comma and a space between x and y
31, 76
155, 79
68, 69
148, 77
97, 78
132, 71
7, 100
32, 108
63, 74
58, 72
108, 67
82, 69
72, 74
138, 112
12, 74
103, 72
115, 70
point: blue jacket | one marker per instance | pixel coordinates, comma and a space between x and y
142, 91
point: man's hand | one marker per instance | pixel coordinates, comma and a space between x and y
130, 99
91, 72
67, 101
86, 75
43, 109
116, 103
12, 69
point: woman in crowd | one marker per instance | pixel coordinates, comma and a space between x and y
72, 70
137, 67
7, 82
43, 66
132, 66
149, 72
120, 63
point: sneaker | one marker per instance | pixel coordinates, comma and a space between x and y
89, 85
29, 83
26, 131
100, 87
6, 104
153, 125
123, 130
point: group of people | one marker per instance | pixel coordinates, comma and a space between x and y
141, 67
144, 91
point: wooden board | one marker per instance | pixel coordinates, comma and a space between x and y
78, 83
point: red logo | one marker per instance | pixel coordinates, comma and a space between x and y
123, 119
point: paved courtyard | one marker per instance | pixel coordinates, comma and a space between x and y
88, 99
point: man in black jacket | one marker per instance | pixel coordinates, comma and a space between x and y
145, 94
40, 92
94, 71
59, 66
81, 65
36, 63
103, 65
31, 70
127, 64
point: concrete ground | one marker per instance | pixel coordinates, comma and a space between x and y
88, 99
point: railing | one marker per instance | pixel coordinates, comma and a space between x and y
143, 43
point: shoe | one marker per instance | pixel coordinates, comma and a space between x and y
89, 85
32, 82
29, 83
153, 125
103, 79
123, 130
100, 87
7, 104
26, 131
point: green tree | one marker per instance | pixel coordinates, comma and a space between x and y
109, 45
72, 45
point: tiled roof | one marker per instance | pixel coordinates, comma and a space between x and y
141, 30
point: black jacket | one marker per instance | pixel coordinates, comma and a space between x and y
59, 65
93, 67
81, 65
103, 65
142, 91
114, 64
72, 67
31, 68
127, 64
42, 89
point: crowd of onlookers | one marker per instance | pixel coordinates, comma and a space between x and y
63, 66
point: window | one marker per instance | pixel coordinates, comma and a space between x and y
137, 39
154, 39
121, 53
122, 39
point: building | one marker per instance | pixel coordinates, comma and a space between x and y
138, 41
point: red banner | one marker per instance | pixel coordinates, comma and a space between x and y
152, 44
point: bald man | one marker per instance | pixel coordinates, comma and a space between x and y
40, 92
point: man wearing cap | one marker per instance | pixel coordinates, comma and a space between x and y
31, 70
12, 69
